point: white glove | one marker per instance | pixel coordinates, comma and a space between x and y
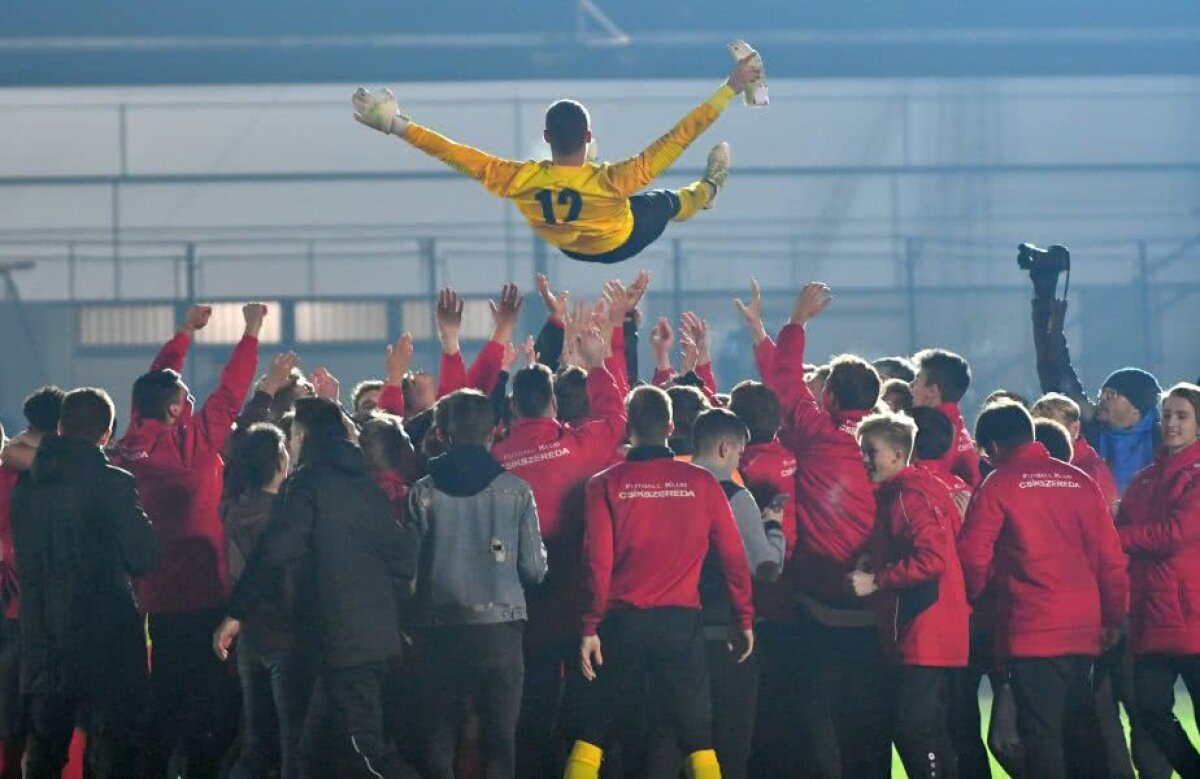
379, 112
756, 91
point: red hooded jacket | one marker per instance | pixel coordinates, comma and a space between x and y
1159, 524
1090, 462
649, 524
1040, 529
938, 470
963, 458
922, 603
835, 499
180, 474
557, 461
769, 469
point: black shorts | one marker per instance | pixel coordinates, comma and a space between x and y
651, 212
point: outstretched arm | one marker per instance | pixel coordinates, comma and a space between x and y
381, 113
633, 174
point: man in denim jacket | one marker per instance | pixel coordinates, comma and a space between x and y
476, 526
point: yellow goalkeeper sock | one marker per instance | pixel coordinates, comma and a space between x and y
584, 762
703, 765
692, 199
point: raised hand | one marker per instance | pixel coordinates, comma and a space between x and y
697, 332
196, 319
812, 300
617, 297
555, 304
661, 340
509, 358
690, 353
379, 112
506, 312
326, 385
280, 373
530, 353
745, 71
254, 314
637, 289
591, 347
752, 312
399, 357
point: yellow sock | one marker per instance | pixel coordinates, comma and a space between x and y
584, 762
692, 198
703, 765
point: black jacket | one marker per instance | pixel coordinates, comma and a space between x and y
79, 535
332, 567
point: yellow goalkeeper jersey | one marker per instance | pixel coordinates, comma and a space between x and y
579, 208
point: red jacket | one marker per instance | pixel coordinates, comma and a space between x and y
1159, 524
179, 474
963, 458
1090, 462
768, 470
764, 358
483, 375
1041, 530
10, 588
649, 524
922, 603
557, 461
938, 470
835, 500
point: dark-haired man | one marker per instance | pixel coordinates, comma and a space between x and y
942, 380
80, 534
589, 211
556, 461
1040, 532
174, 453
843, 723
651, 522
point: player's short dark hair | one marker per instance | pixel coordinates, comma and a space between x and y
321, 421
687, 404
255, 460
386, 445
566, 126
532, 391
935, 433
465, 417
898, 387
950, 372
757, 406
86, 414
155, 392
717, 425
1055, 438
42, 408
853, 382
363, 387
570, 391
649, 411
1003, 394
1004, 424
895, 368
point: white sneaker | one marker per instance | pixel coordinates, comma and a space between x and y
717, 170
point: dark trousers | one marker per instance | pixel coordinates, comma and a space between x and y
276, 685
483, 663
774, 754
1154, 679
844, 724
966, 725
734, 688
922, 735
652, 211
1056, 717
1118, 665
666, 646
12, 704
111, 747
343, 732
540, 741
193, 697
1106, 679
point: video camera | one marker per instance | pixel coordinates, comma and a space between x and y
1052, 260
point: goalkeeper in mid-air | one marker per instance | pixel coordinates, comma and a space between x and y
590, 211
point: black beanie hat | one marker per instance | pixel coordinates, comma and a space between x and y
1140, 388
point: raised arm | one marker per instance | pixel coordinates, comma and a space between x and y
802, 417
215, 420
635, 173
399, 356
381, 113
